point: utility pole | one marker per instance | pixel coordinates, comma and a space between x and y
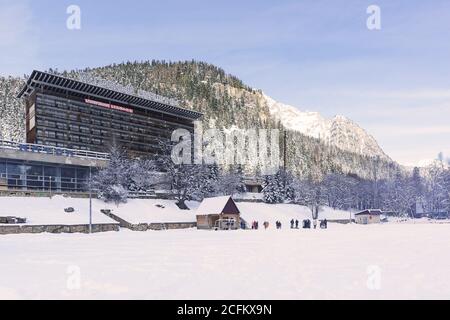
90, 199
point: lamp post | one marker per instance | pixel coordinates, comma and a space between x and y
90, 199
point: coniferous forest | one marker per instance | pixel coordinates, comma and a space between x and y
315, 174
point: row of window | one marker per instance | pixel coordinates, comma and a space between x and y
79, 111
94, 136
140, 148
79, 127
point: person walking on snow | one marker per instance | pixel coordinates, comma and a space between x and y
296, 224
292, 224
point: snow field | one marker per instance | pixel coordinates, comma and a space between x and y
43, 210
388, 261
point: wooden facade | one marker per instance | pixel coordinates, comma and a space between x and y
215, 213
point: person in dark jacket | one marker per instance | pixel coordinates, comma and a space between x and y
292, 224
306, 224
296, 224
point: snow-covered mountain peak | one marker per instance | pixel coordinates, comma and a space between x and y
339, 130
341, 118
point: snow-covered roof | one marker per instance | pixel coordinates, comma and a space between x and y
213, 205
369, 211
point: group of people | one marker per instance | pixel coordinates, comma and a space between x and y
307, 224
255, 225
294, 224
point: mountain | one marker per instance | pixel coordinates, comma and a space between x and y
12, 111
338, 131
309, 142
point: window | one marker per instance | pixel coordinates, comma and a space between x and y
50, 171
68, 174
61, 136
50, 124
61, 126
82, 174
50, 134
85, 120
34, 176
16, 177
2, 167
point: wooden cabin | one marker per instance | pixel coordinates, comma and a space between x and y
218, 213
368, 216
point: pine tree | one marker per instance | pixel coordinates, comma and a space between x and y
274, 191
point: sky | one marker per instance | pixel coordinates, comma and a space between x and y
315, 55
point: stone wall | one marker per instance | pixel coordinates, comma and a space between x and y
82, 228
341, 221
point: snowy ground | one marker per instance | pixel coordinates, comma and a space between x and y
155, 210
285, 213
50, 211
44, 210
387, 261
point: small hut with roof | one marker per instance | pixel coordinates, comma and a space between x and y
218, 213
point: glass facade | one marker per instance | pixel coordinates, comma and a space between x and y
37, 176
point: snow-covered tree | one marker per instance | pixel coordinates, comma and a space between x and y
230, 182
274, 188
209, 180
186, 181
340, 191
142, 174
310, 193
436, 187
112, 182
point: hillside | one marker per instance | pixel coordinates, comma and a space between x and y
226, 101
12, 111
